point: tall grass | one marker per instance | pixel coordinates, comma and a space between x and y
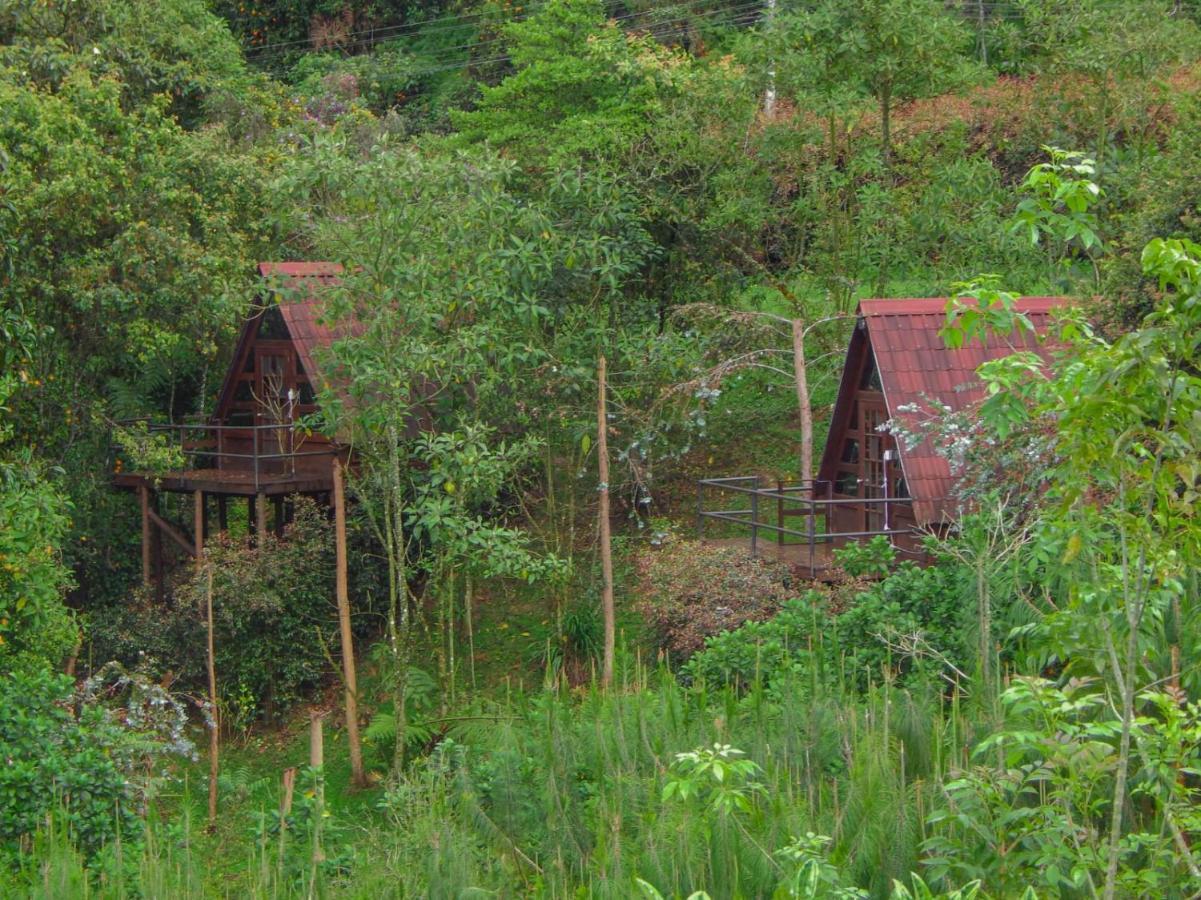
560, 794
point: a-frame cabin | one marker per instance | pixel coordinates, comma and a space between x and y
896, 364
252, 445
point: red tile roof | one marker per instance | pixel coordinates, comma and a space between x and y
916, 366
302, 305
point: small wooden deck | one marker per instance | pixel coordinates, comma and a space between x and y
795, 556
229, 482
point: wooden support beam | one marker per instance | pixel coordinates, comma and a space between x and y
172, 532
357, 776
147, 537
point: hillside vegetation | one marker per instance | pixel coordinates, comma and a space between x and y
524, 197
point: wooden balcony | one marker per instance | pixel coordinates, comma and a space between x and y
238, 460
796, 523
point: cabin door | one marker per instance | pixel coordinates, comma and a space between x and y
873, 475
274, 387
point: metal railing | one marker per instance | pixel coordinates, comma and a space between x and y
240, 448
788, 500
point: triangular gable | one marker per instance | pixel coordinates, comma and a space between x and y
915, 366
301, 307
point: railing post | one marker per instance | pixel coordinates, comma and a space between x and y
779, 512
254, 431
812, 529
755, 519
700, 509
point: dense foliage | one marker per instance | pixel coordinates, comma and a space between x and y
516, 192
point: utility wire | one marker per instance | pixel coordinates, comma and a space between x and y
390, 32
743, 14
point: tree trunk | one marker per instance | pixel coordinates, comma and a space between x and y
606, 543
802, 399
769, 95
357, 776
886, 124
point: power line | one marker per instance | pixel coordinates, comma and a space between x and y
741, 14
390, 32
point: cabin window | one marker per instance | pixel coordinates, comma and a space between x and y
850, 451
306, 393
870, 381
243, 392
271, 325
847, 484
241, 418
273, 365
901, 491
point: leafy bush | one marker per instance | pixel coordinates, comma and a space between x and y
36, 628
911, 622
692, 590
866, 558
53, 758
762, 652
273, 606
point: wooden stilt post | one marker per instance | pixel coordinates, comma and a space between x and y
198, 525
222, 514
358, 778
260, 516
277, 510
252, 525
160, 573
147, 537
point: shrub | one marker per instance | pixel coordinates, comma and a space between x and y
273, 606
693, 590
762, 652
910, 622
36, 628
864, 559
272, 603
53, 758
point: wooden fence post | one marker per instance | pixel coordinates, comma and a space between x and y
357, 776
317, 762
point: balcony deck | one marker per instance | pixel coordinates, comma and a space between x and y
228, 482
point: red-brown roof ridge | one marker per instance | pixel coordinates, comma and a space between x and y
916, 366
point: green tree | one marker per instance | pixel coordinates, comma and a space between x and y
893, 50
582, 88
